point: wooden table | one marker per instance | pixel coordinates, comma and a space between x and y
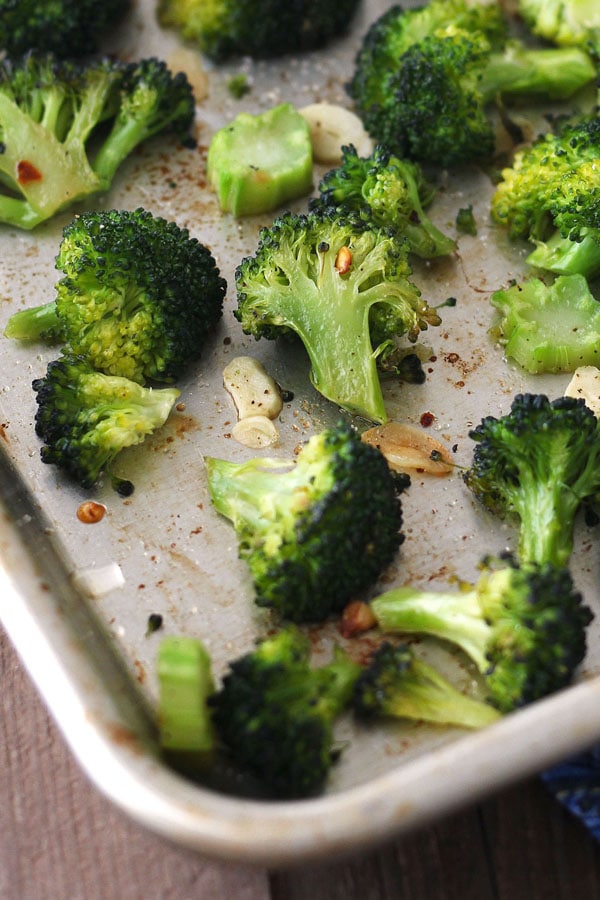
61, 840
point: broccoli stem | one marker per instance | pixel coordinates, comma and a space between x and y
546, 514
567, 257
126, 134
555, 73
38, 323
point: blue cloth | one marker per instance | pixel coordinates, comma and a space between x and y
576, 784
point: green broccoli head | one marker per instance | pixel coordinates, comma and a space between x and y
524, 626
85, 417
257, 28
275, 713
388, 191
315, 532
49, 111
563, 22
538, 463
68, 28
397, 684
342, 285
424, 78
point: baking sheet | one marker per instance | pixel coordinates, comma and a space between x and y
90, 654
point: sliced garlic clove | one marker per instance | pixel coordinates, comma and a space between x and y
255, 432
585, 384
408, 448
333, 127
252, 389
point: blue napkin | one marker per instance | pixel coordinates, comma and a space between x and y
576, 784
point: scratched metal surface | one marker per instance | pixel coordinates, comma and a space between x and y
179, 559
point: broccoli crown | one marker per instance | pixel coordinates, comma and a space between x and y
549, 328
389, 191
539, 462
68, 28
523, 625
49, 111
275, 712
316, 532
138, 296
342, 285
563, 22
397, 684
262, 29
85, 417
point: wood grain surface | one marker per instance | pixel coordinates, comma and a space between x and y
61, 840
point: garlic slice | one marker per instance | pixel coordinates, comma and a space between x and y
255, 432
585, 384
253, 390
408, 448
333, 127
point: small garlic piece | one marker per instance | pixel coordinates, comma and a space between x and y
252, 389
255, 432
189, 61
408, 448
585, 384
333, 127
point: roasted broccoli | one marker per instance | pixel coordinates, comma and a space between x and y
85, 418
550, 196
138, 296
68, 28
49, 111
539, 463
424, 78
524, 626
388, 191
397, 684
257, 28
343, 286
564, 22
549, 327
316, 531
275, 713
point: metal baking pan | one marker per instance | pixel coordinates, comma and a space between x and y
75, 598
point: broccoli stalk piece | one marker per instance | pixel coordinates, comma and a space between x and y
549, 328
424, 79
138, 297
549, 196
538, 463
388, 191
342, 285
85, 418
49, 111
259, 162
314, 532
397, 684
524, 627
68, 28
564, 22
257, 28
275, 713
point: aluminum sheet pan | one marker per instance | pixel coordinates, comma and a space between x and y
88, 652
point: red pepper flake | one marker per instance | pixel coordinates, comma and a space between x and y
27, 172
427, 419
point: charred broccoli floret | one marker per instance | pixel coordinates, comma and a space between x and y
138, 297
49, 111
85, 418
388, 191
524, 626
539, 463
424, 78
343, 286
396, 684
275, 713
257, 28
69, 28
316, 531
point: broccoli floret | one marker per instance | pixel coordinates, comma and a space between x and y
539, 463
259, 162
524, 626
397, 684
138, 296
68, 28
550, 196
316, 531
549, 328
275, 713
424, 78
564, 22
49, 111
343, 286
257, 28
85, 417
390, 192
